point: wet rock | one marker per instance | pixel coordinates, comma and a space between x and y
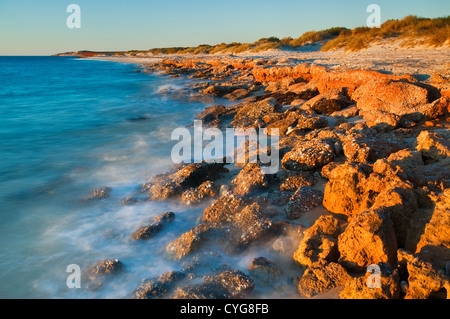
320, 279
250, 179
129, 201
206, 190
223, 209
319, 243
304, 199
230, 284
219, 90
212, 113
264, 271
98, 273
367, 287
187, 242
160, 287
376, 241
308, 155
155, 226
100, 193
292, 181
192, 175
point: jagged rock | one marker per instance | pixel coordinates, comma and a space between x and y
308, 155
304, 199
434, 244
292, 181
321, 278
319, 242
196, 195
159, 287
250, 179
229, 284
330, 101
223, 209
307, 121
187, 242
434, 145
250, 112
370, 286
264, 271
212, 113
368, 239
192, 175
98, 273
424, 279
238, 94
155, 226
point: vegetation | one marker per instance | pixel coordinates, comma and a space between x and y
412, 30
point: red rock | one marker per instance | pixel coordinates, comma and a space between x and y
308, 155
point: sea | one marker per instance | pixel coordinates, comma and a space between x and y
67, 127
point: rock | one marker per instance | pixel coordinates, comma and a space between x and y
434, 145
96, 274
196, 195
364, 145
320, 279
437, 108
381, 120
424, 279
361, 287
308, 155
230, 284
292, 181
264, 271
250, 179
304, 199
212, 113
187, 242
306, 122
250, 112
434, 244
330, 101
319, 243
223, 209
219, 90
346, 113
155, 226
398, 97
247, 227
192, 175
326, 169
160, 287
368, 239
238, 94
100, 193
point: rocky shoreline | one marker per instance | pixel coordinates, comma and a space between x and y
364, 156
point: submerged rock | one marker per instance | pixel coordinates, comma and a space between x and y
96, 275
160, 287
155, 226
264, 271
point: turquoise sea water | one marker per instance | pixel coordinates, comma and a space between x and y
68, 126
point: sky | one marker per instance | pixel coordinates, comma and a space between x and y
38, 27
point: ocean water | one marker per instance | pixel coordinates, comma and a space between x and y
68, 126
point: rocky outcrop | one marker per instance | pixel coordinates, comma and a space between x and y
154, 227
308, 155
250, 179
206, 190
304, 199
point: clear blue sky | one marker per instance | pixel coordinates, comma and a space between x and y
38, 27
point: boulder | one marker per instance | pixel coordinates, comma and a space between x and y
192, 175
292, 181
319, 243
223, 209
238, 94
370, 286
160, 287
264, 271
322, 278
155, 226
250, 179
230, 284
212, 113
96, 275
187, 243
250, 112
368, 239
308, 155
398, 97
206, 190
304, 199
434, 145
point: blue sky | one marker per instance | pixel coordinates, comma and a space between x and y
38, 27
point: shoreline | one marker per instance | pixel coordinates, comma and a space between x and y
350, 164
